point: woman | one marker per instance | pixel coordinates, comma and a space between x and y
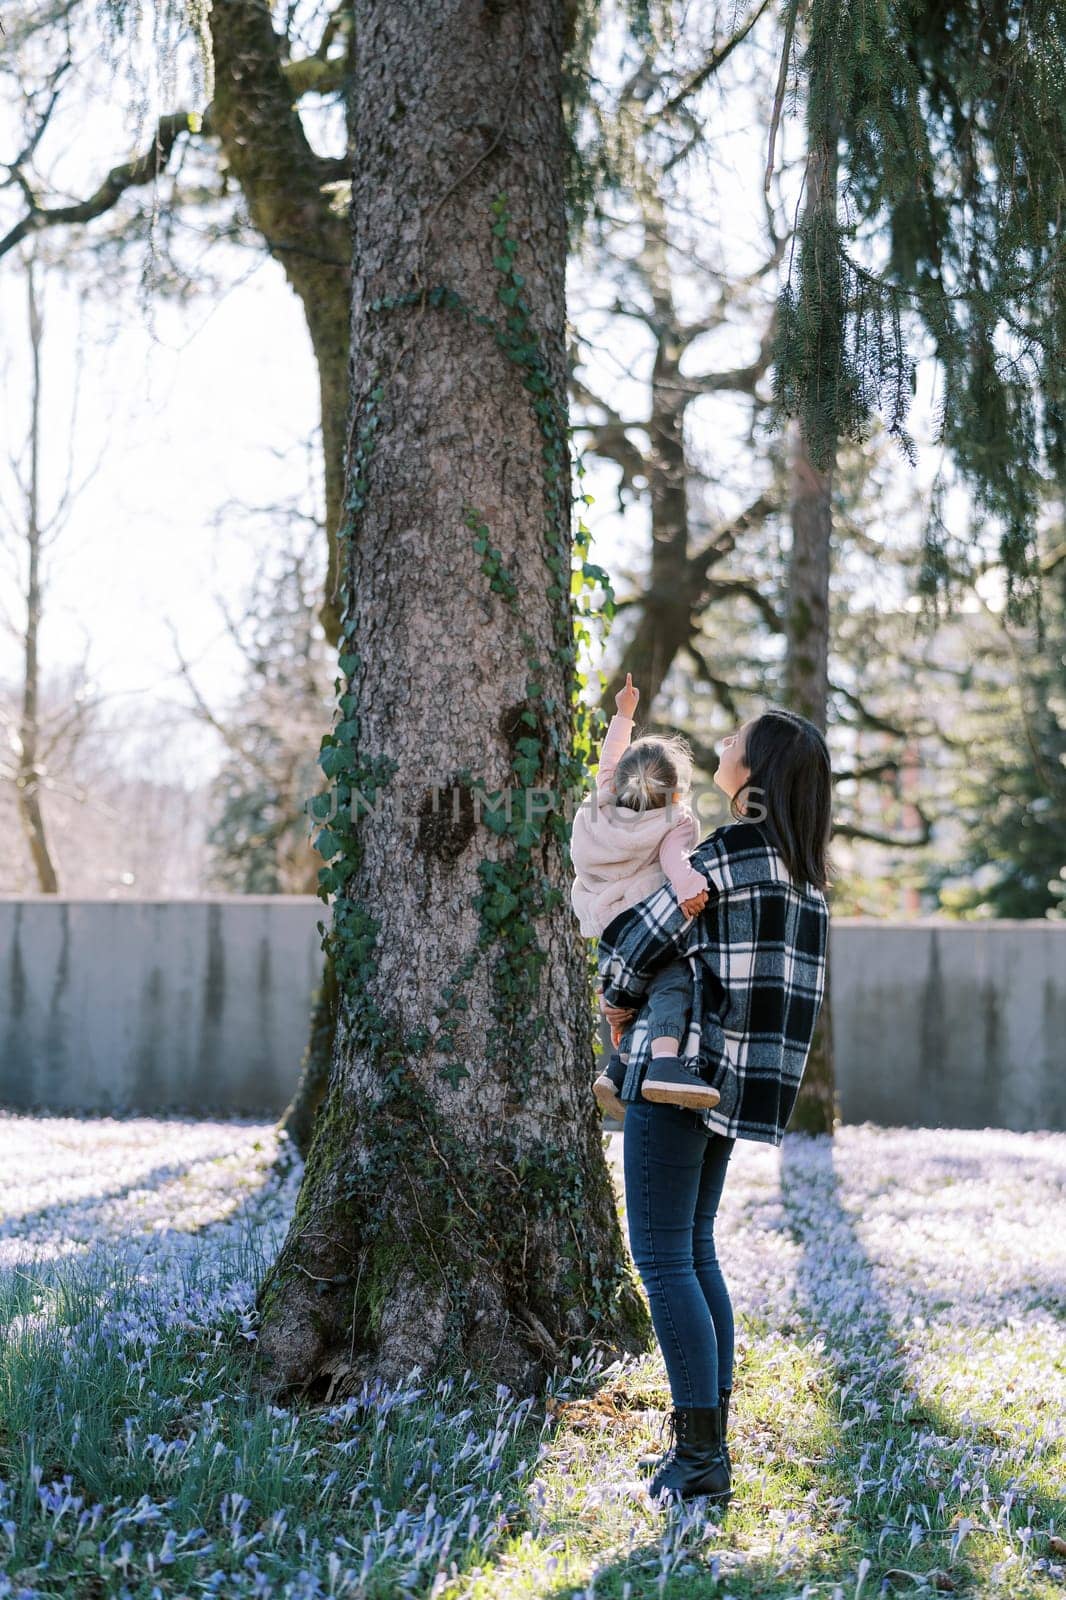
756, 955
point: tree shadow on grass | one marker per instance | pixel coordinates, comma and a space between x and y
90, 1221
886, 1489
850, 1453
401, 1478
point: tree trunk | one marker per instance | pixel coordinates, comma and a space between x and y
456, 1209
298, 1119
807, 625
284, 185
29, 774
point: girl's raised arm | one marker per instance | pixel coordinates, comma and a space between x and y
615, 744
616, 740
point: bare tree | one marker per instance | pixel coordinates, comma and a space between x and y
34, 738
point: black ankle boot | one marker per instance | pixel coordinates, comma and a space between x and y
649, 1463
697, 1463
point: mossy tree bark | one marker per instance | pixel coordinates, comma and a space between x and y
456, 1208
807, 621
807, 691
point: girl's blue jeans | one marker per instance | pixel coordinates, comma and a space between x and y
674, 1168
669, 1001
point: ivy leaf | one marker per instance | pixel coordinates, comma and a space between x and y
454, 1073
335, 759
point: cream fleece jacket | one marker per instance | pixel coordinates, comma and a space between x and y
620, 856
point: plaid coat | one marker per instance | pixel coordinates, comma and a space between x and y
757, 955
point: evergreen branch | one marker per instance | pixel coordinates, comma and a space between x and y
877, 280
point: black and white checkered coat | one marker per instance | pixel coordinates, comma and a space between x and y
757, 955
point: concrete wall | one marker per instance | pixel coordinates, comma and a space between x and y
202, 1006
193, 1005
950, 1024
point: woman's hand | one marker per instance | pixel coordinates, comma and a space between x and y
626, 699
618, 1019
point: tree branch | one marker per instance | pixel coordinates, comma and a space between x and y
713, 62
131, 174
851, 830
723, 691
761, 602
725, 539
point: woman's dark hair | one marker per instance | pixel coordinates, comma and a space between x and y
791, 784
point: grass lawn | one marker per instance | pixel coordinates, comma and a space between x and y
897, 1423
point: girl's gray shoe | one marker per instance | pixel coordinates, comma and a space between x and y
667, 1081
608, 1087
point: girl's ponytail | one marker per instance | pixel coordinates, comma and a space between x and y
651, 772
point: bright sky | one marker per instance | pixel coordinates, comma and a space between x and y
192, 406
167, 430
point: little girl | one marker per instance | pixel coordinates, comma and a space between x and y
628, 838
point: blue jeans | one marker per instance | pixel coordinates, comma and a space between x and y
674, 1168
